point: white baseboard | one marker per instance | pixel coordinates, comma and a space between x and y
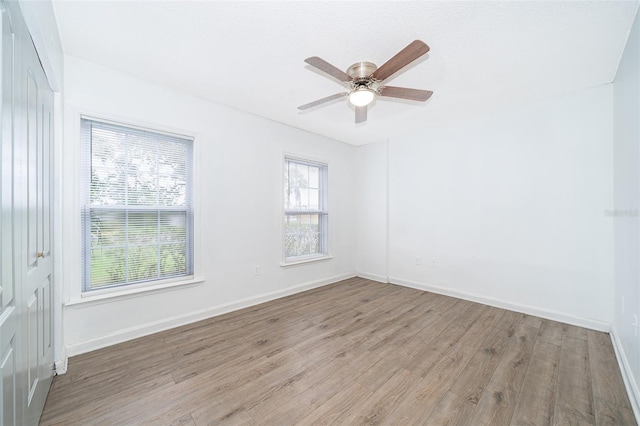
177, 321
627, 374
499, 303
373, 277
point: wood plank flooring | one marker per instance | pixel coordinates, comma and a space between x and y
354, 352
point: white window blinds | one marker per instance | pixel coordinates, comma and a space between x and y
137, 205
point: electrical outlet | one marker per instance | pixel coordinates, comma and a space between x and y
418, 261
635, 324
256, 270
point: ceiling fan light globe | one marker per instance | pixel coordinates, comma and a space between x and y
361, 97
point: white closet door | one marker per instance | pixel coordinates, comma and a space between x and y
10, 409
37, 265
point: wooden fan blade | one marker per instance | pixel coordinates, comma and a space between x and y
403, 58
361, 114
405, 93
325, 66
323, 100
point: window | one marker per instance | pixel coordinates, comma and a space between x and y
137, 210
305, 210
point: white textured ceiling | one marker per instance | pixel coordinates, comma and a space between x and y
484, 55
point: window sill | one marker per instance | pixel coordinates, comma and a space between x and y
118, 294
307, 260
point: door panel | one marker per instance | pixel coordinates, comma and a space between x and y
8, 371
47, 305
46, 212
32, 170
32, 344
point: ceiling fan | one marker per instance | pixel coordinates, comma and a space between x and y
365, 80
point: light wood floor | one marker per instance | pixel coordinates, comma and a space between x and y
355, 352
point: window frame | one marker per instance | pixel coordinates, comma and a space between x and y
322, 211
86, 208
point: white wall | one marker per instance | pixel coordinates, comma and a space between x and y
238, 222
626, 157
371, 197
510, 207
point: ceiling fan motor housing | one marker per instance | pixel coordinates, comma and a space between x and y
361, 70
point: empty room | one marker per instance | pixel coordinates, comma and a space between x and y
320, 212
